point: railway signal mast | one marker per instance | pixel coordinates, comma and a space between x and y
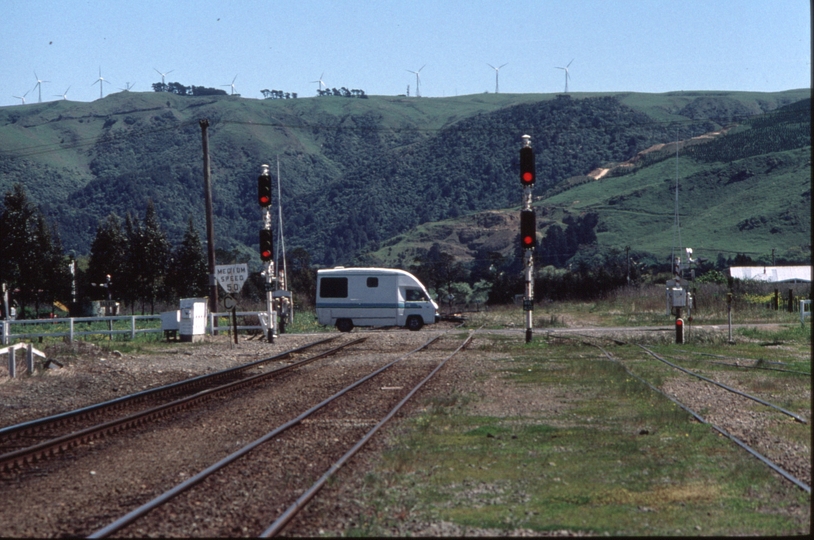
528, 229
267, 249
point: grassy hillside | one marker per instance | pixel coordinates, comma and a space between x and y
355, 172
746, 191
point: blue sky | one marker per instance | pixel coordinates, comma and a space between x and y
615, 45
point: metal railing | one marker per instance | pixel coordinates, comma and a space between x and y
210, 317
73, 327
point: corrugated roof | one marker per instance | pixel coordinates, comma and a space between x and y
772, 274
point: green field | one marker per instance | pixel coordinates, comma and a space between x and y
588, 449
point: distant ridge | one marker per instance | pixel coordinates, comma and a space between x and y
359, 173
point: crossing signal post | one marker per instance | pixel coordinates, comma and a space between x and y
267, 246
528, 229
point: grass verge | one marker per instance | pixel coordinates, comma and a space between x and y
590, 450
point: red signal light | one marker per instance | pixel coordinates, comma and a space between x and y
264, 190
266, 245
527, 169
528, 229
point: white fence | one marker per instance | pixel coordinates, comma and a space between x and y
74, 327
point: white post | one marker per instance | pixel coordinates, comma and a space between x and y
29, 359
132, 327
70, 330
12, 364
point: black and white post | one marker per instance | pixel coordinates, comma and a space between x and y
528, 229
266, 247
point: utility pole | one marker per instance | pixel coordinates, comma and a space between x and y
210, 227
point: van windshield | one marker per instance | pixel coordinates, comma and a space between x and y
415, 295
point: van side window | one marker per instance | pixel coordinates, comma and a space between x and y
372, 282
333, 287
415, 295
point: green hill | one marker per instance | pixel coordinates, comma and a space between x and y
744, 190
356, 173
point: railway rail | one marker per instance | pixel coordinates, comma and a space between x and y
750, 449
340, 410
359, 401
59, 432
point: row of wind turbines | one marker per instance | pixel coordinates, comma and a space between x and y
101, 82
497, 77
320, 83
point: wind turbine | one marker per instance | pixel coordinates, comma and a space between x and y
127, 86
163, 75
232, 85
417, 80
38, 86
497, 70
320, 83
22, 97
567, 76
63, 96
101, 80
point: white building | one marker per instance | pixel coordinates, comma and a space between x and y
772, 274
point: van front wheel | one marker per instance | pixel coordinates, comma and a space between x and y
415, 323
344, 325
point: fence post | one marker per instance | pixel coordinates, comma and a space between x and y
70, 331
29, 359
12, 364
132, 327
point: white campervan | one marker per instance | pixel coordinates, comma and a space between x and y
348, 297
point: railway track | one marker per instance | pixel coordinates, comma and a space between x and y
739, 397
287, 466
34, 441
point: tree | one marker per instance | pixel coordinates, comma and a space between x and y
108, 255
146, 258
188, 270
156, 249
440, 271
29, 257
49, 267
15, 238
302, 278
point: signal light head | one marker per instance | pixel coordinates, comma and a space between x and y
528, 229
264, 190
266, 245
527, 169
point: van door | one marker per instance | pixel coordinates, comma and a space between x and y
414, 301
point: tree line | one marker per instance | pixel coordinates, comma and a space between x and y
342, 92
130, 261
278, 94
181, 90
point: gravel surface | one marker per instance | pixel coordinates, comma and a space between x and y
749, 421
90, 486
